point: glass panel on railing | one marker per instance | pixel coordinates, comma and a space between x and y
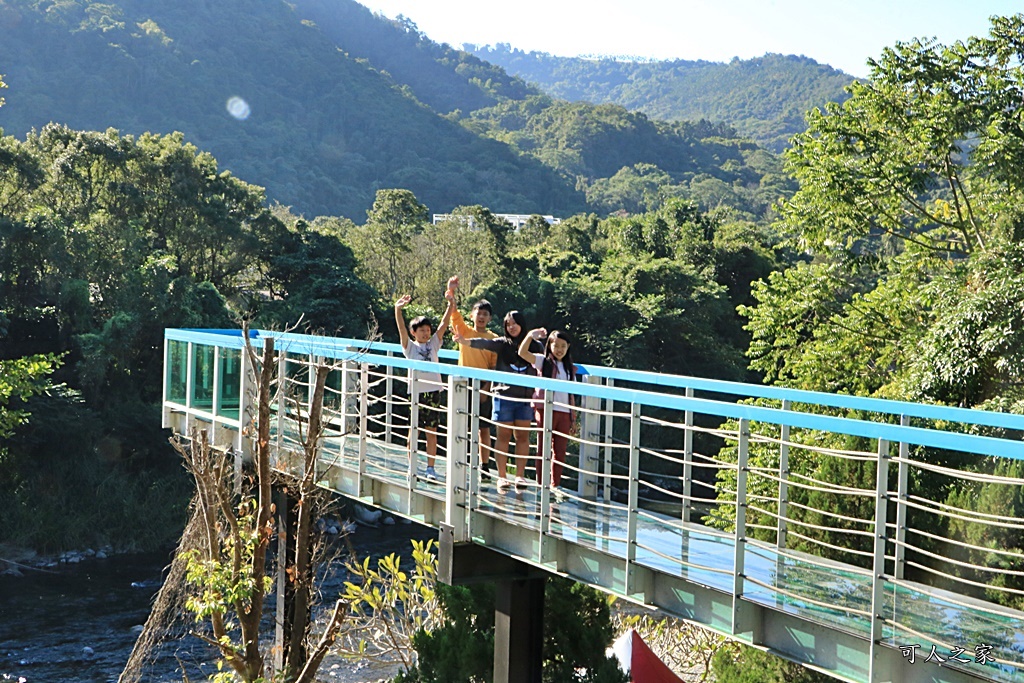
332, 392
230, 382
202, 376
177, 371
296, 388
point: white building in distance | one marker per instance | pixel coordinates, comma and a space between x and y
517, 220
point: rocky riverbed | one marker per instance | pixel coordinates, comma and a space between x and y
74, 618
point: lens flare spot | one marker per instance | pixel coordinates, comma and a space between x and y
239, 108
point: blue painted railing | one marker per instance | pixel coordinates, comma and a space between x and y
638, 456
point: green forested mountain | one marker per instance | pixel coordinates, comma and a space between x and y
763, 99
446, 79
625, 160
325, 130
342, 102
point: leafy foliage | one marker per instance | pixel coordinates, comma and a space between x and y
764, 98
105, 240
908, 214
750, 665
909, 201
20, 379
577, 631
462, 647
390, 607
655, 291
220, 583
386, 239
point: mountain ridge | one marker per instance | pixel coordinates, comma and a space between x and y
340, 102
764, 98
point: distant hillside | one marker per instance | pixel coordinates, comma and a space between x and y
340, 102
763, 99
325, 130
625, 160
442, 77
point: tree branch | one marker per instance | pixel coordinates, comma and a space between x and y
322, 647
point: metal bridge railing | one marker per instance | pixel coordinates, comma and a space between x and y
899, 522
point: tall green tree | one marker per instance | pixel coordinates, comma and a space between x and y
905, 190
910, 215
105, 240
20, 379
577, 633
385, 241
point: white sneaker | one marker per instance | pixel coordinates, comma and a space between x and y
521, 483
431, 474
504, 484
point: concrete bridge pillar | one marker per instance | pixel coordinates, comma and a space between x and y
518, 603
518, 630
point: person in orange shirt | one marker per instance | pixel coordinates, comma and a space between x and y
477, 358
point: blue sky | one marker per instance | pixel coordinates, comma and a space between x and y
841, 33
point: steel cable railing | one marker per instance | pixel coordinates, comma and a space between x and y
653, 471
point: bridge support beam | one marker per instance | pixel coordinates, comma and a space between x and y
518, 603
518, 630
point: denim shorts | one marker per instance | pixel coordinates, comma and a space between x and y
508, 410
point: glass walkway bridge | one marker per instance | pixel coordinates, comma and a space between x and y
873, 540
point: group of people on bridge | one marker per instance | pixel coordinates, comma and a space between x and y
511, 408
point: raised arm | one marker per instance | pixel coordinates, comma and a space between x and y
482, 343
450, 296
459, 326
403, 333
524, 347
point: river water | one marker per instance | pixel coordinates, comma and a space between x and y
79, 624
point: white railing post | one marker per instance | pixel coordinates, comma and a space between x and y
311, 362
364, 395
740, 547
688, 460
282, 398
474, 450
878, 562
902, 486
609, 427
389, 392
414, 429
189, 388
310, 383
215, 429
349, 397
456, 479
245, 403
634, 497
544, 473
165, 417
783, 506
590, 429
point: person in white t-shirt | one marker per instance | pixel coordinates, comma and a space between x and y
556, 363
427, 390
